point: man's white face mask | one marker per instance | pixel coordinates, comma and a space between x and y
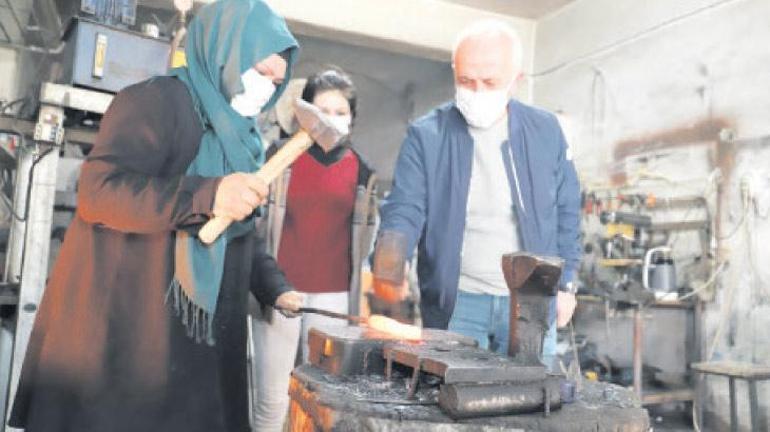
340, 122
257, 91
482, 109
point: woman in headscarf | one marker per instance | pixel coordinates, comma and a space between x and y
142, 327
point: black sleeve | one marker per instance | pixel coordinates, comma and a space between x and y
267, 280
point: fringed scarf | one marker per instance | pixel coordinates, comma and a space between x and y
224, 40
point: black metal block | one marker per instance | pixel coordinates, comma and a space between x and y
498, 399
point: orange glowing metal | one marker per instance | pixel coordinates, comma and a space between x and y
394, 328
328, 348
378, 323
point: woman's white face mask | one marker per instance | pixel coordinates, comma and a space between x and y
340, 122
257, 91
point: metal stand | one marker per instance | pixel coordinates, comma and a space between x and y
749, 372
638, 341
30, 235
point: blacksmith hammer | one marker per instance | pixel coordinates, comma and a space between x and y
533, 282
313, 127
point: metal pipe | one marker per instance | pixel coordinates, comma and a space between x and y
753, 405
733, 406
638, 328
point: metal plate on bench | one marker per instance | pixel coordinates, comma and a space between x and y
457, 363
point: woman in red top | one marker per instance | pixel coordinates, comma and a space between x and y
319, 226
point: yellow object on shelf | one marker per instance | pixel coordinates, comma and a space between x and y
592, 376
624, 230
179, 59
620, 262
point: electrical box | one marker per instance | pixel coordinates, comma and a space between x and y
109, 59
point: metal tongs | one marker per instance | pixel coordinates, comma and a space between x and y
379, 323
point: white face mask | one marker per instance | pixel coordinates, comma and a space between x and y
340, 122
257, 91
483, 108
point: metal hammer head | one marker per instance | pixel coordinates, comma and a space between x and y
315, 123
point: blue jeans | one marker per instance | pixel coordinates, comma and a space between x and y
485, 317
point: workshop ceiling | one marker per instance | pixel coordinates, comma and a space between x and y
533, 9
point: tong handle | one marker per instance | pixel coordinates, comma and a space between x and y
330, 314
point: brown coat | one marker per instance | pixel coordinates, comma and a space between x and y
107, 353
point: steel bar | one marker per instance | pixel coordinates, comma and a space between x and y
330, 314
733, 407
76, 98
414, 382
477, 400
638, 334
753, 405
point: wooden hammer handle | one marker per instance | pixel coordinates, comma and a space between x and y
284, 157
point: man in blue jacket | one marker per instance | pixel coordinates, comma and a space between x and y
478, 178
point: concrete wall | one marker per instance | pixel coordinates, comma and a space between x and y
652, 78
422, 28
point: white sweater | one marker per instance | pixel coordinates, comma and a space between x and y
490, 226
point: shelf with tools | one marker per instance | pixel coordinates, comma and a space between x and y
658, 391
658, 303
648, 258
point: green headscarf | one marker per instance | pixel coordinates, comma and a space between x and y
224, 40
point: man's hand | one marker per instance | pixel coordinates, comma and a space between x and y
390, 292
238, 195
565, 307
289, 303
